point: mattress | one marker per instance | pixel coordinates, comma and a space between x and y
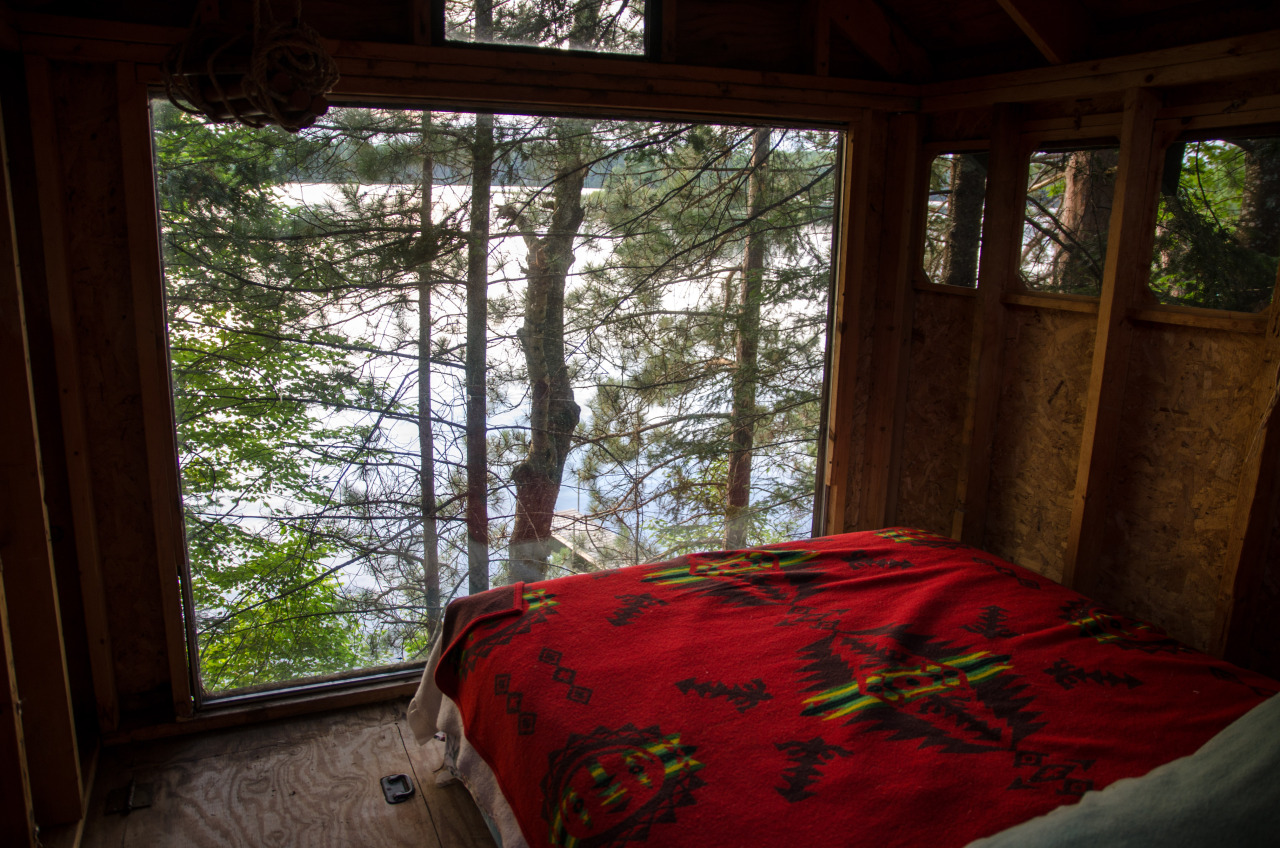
891, 687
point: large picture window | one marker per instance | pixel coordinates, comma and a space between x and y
645, 356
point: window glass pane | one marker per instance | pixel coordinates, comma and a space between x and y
604, 26
1218, 226
953, 231
1064, 237
654, 338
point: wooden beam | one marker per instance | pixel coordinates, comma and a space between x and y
1225, 59
153, 366
1060, 30
878, 37
1124, 287
30, 585
1257, 499
891, 325
1060, 302
997, 276
518, 80
65, 335
9, 38
861, 193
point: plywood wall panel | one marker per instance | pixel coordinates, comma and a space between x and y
1189, 416
85, 108
939, 367
1037, 445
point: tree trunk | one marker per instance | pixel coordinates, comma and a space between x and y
1260, 207
964, 231
477, 342
1083, 218
426, 439
742, 415
553, 414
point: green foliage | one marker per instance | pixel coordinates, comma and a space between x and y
1205, 252
294, 266
658, 435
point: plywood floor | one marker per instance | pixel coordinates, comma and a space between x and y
311, 783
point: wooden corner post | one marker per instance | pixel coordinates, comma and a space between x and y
872, 323
997, 273
33, 621
1257, 501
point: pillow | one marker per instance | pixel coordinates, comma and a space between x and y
1225, 794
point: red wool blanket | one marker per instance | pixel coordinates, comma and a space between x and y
886, 688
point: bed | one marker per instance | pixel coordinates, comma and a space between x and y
889, 688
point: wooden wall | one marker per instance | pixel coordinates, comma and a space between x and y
1127, 450
1123, 448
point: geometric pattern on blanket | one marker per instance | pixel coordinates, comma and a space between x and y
889, 688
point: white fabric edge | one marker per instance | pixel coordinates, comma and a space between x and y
436, 723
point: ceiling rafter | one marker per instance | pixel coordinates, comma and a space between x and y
1060, 30
878, 37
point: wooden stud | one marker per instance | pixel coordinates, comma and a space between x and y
822, 38
153, 365
1059, 30
420, 20
997, 275
30, 585
891, 330
939, 288
669, 36
1124, 287
885, 44
66, 354
1257, 499
1208, 319
17, 825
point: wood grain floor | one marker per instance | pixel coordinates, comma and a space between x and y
309, 783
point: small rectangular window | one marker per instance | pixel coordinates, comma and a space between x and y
1218, 226
654, 334
599, 26
1068, 213
953, 231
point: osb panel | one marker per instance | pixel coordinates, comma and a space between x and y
1047, 359
941, 335
1189, 418
99, 272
